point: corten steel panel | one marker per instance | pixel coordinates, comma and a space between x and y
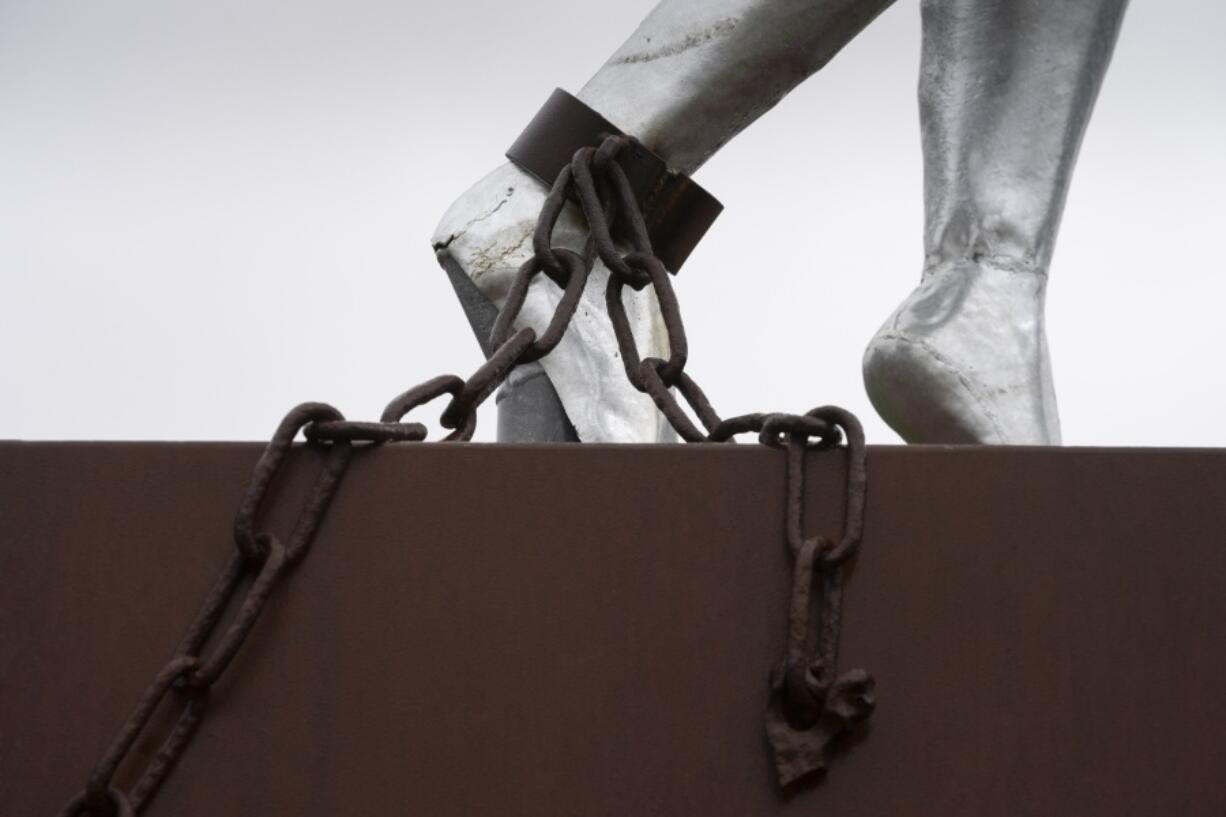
584, 630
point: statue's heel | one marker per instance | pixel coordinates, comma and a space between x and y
922, 396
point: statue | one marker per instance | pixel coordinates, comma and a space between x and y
1006, 89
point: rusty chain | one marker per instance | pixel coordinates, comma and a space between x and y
809, 704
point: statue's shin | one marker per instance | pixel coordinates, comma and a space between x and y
1006, 89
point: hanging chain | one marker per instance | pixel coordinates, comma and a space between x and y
809, 706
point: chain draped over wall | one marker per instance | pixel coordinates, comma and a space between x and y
809, 704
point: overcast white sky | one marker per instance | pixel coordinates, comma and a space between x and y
210, 211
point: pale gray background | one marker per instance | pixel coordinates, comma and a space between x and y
212, 210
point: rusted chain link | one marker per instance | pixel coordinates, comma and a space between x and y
190, 673
809, 706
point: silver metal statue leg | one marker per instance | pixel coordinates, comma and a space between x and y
690, 78
1006, 89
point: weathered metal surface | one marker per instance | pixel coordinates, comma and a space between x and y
1043, 625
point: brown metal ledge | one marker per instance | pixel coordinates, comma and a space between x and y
586, 630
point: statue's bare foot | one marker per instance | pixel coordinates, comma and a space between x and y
487, 233
964, 360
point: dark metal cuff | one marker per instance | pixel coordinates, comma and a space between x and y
678, 212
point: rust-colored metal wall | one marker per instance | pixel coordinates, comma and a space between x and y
587, 630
